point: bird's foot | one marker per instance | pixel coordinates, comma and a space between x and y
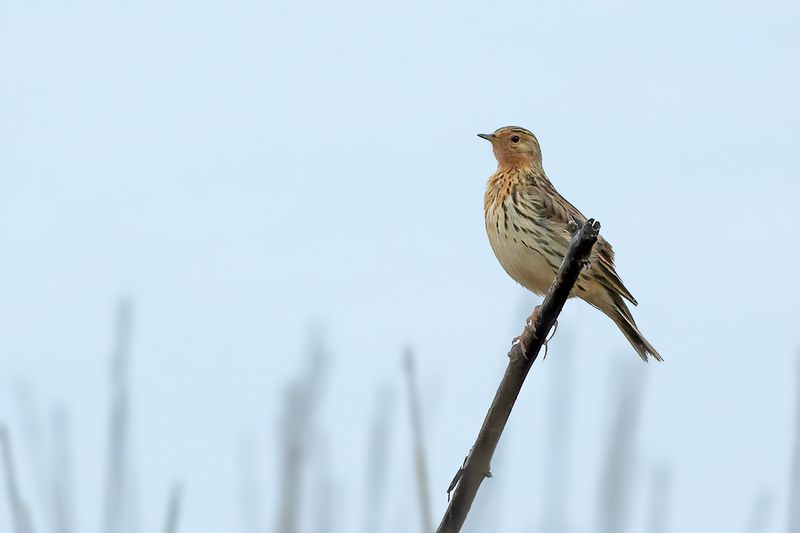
522, 339
547, 340
530, 323
573, 226
531, 320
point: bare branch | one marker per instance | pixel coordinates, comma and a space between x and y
20, 513
477, 464
420, 466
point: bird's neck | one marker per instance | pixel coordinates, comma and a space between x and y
503, 184
509, 159
521, 167
507, 178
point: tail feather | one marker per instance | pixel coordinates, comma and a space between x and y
622, 317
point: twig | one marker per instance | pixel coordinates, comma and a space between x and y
420, 466
478, 463
20, 514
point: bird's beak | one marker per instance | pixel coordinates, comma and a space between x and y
487, 136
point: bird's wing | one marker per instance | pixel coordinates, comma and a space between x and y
608, 272
555, 207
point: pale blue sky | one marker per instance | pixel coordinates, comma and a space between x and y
243, 169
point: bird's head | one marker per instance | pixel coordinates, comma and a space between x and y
514, 146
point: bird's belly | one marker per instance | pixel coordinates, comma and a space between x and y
521, 258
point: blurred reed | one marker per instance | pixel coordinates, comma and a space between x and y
323, 511
20, 512
660, 496
760, 514
301, 400
33, 441
62, 484
615, 490
557, 467
418, 445
119, 504
173, 513
793, 506
306, 454
250, 490
49, 459
378, 461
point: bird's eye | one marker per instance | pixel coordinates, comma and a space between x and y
515, 139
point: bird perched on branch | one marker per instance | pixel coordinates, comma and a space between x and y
528, 223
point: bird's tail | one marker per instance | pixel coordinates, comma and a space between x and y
622, 317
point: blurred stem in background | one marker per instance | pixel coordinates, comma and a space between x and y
660, 497
250, 488
378, 460
420, 464
793, 507
62, 486
119, 515
34, 443
323, 511
760, 513
173, 509
20, 512
614, 499
556, 491
49, 456
300, 405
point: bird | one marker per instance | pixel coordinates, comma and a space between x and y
528, 223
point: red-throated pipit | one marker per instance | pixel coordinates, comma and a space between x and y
528, 225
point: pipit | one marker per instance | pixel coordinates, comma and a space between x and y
528, 223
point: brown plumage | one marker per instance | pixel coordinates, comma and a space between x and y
527, 221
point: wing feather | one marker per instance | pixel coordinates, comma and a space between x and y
556, 208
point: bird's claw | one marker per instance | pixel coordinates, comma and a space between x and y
519, 341
530, 322
573, 226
